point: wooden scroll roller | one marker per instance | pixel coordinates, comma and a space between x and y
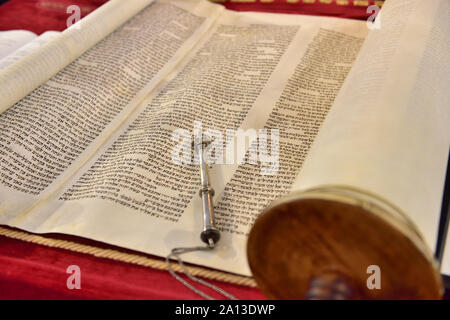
318, 244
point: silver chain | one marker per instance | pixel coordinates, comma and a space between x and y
175, 253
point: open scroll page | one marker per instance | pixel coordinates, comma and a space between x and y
249, 71
21, 78
12, 40
388, 131
49, 134
27, 49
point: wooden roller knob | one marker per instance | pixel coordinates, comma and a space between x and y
329, 286
319, 245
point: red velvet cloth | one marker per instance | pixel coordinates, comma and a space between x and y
42, 15
337, 8
30, 271
39, 16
